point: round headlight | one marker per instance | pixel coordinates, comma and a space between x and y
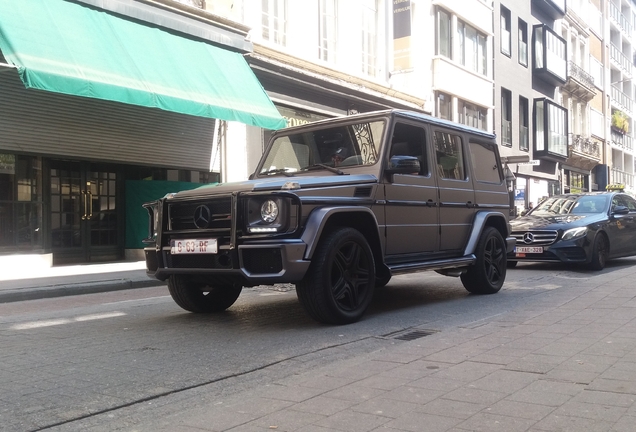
269, 211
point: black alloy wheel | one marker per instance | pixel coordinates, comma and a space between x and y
338, 286
600, 252
488, 273
201, 298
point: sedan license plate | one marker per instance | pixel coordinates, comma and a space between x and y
529, 249
193, 246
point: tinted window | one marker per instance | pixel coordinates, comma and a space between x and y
449, 158
485, 167
410, 140
572, 204
631, 203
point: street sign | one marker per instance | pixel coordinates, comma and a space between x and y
531, 162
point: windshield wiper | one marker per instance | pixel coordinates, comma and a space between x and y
327, 167
277, 171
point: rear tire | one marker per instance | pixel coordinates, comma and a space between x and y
202, 298
339, 284
600, 252
488, 273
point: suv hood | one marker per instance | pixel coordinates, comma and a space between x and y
277, 183
555, 222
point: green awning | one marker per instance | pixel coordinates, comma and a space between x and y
65, 47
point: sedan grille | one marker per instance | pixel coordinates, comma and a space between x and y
535, 237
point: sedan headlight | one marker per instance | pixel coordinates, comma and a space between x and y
267, 215
574, 233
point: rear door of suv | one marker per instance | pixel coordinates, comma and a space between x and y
455, 187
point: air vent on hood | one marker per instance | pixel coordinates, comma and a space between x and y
362, 192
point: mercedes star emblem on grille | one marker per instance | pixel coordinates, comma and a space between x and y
528, 237
202, 216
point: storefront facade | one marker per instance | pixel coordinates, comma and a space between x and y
71, 163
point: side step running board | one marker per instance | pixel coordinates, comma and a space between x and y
433, 265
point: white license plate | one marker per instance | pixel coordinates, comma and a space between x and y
528, 249
193, 246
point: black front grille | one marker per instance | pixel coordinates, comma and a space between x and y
260, 261
182, 215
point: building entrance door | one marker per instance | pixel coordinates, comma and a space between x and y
85, 214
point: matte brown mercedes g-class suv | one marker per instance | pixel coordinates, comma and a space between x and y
337, 207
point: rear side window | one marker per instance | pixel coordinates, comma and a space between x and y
485, 166
449, 156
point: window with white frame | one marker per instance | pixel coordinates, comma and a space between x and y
472, 115
327, 30
472, 48
443, 46
369, 36
274, 21
523, 42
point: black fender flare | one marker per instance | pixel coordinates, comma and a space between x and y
481, 220
319, 217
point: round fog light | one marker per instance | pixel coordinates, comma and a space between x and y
269, 211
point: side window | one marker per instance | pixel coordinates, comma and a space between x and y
409, 140
485, 166
618, 200
449, 156
631, 203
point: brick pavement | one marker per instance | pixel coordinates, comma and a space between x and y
566, 362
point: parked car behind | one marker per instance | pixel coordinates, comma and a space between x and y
586, 228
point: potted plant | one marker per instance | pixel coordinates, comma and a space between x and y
620, 122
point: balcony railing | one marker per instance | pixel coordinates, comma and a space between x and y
622, 177
622, 99
524, 144
622, 141
620, 19
617, 55
576, 72
506, 132
584, 145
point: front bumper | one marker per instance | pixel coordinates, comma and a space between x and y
254, 263
576, 251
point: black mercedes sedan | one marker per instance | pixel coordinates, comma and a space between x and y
586, 228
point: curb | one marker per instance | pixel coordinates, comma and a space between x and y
51, 291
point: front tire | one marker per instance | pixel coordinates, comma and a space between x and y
600, 252
488, 273
198, 297
338, 286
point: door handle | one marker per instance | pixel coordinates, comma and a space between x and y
85, 215
89, 205
469, 204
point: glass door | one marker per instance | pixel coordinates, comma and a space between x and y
85, 215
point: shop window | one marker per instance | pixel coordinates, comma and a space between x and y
327, 26
274, 21
21, 199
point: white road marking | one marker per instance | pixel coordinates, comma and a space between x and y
50, 323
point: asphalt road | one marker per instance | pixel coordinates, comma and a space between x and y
66, 360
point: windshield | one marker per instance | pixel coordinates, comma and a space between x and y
575, 204
337, 146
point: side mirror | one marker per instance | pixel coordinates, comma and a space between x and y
620, 210
403, 165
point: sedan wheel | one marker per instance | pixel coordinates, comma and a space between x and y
600, 252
